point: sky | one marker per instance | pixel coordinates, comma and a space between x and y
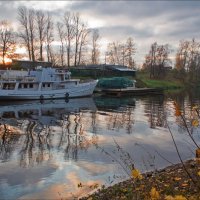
145, 21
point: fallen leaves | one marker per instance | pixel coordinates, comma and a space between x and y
136, 174
198, 153
154, 194
177, 178
177, 197
171, 183
195, 122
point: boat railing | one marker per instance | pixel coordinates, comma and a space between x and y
18, 78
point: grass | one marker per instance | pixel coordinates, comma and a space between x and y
161, 84
167, 83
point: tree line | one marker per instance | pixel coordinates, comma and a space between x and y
69, 42
187, 60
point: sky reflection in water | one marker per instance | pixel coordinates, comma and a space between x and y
47, 149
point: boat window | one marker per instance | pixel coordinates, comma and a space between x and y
9, 86
43, 85
31, 85
10, 114
48, 84
5, 86
20, 85
25, 85
66, 77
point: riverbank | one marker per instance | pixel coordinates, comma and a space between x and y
168, 82
170, 183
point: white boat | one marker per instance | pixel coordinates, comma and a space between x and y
42, 83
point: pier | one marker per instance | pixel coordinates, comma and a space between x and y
132, 91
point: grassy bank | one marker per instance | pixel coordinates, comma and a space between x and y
168, 82
171, 183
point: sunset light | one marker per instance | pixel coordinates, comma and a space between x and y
100, 100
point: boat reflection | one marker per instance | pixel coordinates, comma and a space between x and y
114, 103
56, 108
30, 128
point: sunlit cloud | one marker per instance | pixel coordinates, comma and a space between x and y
44, 5
118, 20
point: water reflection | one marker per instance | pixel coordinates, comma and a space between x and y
50, 147
155, 110
37, 121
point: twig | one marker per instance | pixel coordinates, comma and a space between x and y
180, 156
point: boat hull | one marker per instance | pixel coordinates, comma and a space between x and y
79, 90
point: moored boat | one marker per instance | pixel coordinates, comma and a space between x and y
42, 83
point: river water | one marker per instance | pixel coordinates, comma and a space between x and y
65, 149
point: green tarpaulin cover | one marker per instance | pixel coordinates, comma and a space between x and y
115, 82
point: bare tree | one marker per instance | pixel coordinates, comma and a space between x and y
188, 58
32, 29
69, 25
7, 40
111, 54
25, 34
95, 46
49, 38
77, 34
121, 53
83, 43
81, 34
28, 27
41, 23
129, 52
157, 59
61, 36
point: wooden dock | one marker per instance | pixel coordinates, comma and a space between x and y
132, 91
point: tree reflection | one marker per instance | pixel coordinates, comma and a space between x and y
155, 110
118, 112
74, 137
9, 137
37, 144
38, 140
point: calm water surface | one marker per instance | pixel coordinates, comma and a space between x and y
48, 148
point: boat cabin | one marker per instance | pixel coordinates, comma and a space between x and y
38, 79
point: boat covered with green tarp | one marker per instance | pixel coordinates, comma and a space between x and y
115, 82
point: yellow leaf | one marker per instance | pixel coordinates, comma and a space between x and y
168, 197
195, 123
198, 173
184, 185
195, 107
177, 178
198, 153
136, 174
166, 185
179, 197
154, 194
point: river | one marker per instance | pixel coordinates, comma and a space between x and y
66, 149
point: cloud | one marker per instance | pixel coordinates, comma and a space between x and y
146, 21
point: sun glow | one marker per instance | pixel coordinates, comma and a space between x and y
6, 60
20, 50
